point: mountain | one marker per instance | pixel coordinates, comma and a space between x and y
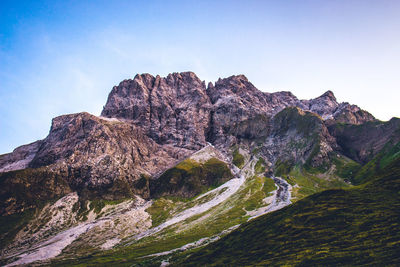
173, 164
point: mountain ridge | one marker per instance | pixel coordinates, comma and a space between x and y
170, 148
176, 115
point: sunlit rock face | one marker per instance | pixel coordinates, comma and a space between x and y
173, 110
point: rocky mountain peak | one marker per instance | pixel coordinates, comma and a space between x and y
166, 108
145, 79
235, 86
235, 81
324, 105
187, 75
328, 95
159, 138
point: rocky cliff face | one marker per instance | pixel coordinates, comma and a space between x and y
173, 110
298, 137
94, 154
363, 142
149, 124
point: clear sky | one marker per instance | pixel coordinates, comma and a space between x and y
59, 57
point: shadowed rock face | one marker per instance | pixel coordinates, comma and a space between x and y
298, 136
346, 113
363, 142
237, 102
149, 124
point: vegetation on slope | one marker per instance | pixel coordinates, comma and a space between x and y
387, 155
238, 159
10, 225
229, 213
28, 188
305, 183
335, 227
190, 178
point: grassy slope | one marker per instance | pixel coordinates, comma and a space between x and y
306, 183
238, 159
388, 154
335, 227
190, 178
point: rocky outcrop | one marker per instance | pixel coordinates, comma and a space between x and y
19, 158
363, 142
329, 109
352, 114
173, 110
298, 137
237, 104
324, 105
95, 154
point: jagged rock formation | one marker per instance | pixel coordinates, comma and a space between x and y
298, 136
172, 110
150, 124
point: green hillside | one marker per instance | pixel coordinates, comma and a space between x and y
357, 226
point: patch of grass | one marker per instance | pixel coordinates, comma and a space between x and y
10, 225
306, 123
238, 159
269, 185
161, 210
282, 167
390, 153
97, 205
308, 165
190, 178
310, 183
260, 166
345, 167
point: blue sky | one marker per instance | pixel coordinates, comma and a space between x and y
59, 57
